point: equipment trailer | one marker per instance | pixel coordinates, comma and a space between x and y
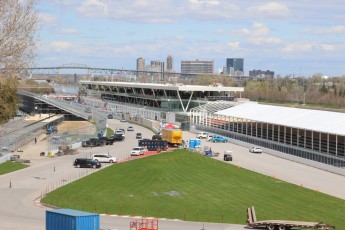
282, 224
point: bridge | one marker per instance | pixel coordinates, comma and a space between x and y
103, 71
31, 102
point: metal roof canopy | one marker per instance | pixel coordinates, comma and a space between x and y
214, 106
316, 120
166, 86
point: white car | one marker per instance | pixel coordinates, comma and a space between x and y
130, 128
255, 150
104, 158
119, 131
137, 151
209, 138
201, 135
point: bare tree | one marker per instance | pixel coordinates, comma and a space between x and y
18, 23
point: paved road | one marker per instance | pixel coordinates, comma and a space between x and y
17, 210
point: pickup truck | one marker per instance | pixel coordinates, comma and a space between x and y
255, 149
219, 139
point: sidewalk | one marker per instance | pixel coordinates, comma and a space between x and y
32, 151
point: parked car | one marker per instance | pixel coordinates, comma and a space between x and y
106, 158
123, 120
93, 142
86, 163
119, 131
209, 137
137, 151
107, 140
201, 135
138, 136
255, 149
117, 137
219, 139
110, 116
227, 155
130, 128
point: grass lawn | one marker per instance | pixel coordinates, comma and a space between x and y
109, 132
10, 166
184, 185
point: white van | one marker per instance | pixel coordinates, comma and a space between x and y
201, 135
105, 158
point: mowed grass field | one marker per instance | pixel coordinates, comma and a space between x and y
10, 166
184, 185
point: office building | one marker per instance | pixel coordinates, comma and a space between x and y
140, 67
190, 68
170, 64
234, 66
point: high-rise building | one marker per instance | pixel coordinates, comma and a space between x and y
156, 66
234, 66
140, 67
197, 67
170, 64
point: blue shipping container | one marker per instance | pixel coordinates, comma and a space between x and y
192, 143
69, 219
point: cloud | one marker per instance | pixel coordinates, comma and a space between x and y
298, 47
59, 46
258, 35
339, 29
94, 8
328, 47
69, 31
271, 9
162, 11
234, 45
48, 19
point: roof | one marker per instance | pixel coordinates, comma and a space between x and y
167, 86
316, 120
71, 212
214, 106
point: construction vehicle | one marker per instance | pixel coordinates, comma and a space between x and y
172, 136
282, 224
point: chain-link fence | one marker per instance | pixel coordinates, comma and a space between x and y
70, 137
19, 132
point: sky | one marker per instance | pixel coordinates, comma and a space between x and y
296, 38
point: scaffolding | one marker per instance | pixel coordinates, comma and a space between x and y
144, 224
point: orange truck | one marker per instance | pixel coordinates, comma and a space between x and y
172, 136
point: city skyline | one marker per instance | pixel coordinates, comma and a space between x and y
290, 38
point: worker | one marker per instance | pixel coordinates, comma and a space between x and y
35, 140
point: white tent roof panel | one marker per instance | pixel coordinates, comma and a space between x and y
317, 120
